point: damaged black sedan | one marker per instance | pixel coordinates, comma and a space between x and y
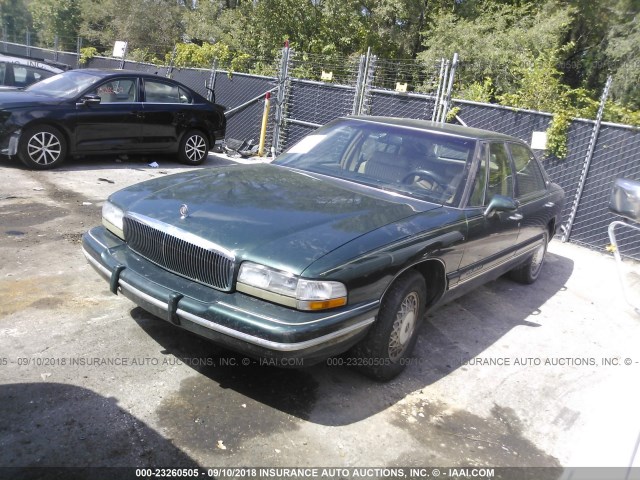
340, 244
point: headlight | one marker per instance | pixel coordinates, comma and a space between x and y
112, 219
288, 289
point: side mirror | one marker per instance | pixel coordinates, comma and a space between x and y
500, 203
625, 199
89, 100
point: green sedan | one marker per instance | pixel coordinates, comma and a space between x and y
341, 244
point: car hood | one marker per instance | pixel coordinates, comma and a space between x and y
21, 98
268, 214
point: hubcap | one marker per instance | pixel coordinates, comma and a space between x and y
537, 260
403, 326
44, 148
195, 148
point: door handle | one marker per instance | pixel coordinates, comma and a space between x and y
516, 216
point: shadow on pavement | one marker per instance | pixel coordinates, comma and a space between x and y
54, 425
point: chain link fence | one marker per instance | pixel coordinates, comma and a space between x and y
311, 90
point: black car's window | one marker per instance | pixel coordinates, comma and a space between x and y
425, 164
161, 92
3, 70
117, 90
529, 178
500, 174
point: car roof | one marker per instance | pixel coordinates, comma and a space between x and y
446, 128
49, 65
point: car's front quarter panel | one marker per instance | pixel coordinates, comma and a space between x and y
14, 120
369, 264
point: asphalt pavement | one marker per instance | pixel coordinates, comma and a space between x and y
507, 376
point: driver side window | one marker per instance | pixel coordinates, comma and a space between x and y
494, 175
500, 174
117, 90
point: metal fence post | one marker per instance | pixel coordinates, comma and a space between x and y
211, 96
28, 43
55, 48
566, 229
79, 52
369, 72
446, 98
4, 38
280, 112
359, 86
436, 102
172, 61
124, 55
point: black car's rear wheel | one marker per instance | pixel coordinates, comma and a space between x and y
194, 148
42, 147
529, 271
384, 352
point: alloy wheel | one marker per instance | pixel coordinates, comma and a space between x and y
44, 148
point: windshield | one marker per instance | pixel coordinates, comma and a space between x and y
424, 164
64, 85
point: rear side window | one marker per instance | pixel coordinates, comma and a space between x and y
160, 92
529, 177
3, 73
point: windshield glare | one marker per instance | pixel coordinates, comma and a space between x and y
426, 165
64, 85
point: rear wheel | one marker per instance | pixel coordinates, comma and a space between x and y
194, 148
384, 352
42, 147
529, 271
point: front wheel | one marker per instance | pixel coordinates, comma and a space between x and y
529, 271
384, 352
42, 147
194, 148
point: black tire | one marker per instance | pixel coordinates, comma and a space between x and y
42, 147
529, 271
194, 148
384, 352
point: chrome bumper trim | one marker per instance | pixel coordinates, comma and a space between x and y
281, 347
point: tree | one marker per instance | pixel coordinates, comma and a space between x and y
56, 18
622, 53
106, 21
500, 41
15, 17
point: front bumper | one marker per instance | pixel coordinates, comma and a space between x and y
237, 321
9, 143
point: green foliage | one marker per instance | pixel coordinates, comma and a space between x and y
557, 134
86, 54
203, 56
478, 92
452, 113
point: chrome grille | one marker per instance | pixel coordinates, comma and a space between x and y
162, 245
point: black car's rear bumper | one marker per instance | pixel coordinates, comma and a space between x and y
234, 320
